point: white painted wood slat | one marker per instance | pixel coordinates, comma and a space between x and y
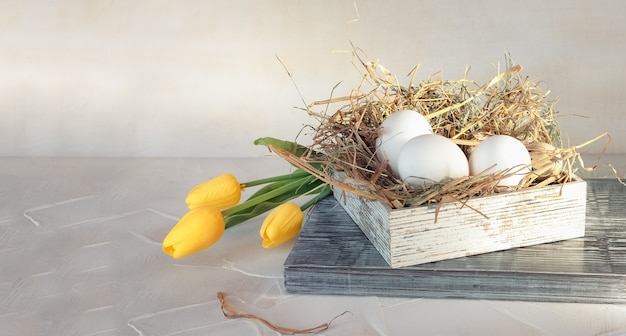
497, 222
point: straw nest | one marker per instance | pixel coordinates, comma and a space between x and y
462, 110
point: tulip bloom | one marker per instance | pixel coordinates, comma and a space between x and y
200, 228
221, 192
282, 224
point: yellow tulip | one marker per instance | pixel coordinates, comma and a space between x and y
282, 224
200, 228
221, 192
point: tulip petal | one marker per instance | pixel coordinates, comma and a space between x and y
200, 228
282, 224
220, 192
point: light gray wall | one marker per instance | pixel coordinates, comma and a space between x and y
201, 78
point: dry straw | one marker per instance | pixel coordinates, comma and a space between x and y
462, 110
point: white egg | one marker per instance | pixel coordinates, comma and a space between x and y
397, 129
502, 152
430, 158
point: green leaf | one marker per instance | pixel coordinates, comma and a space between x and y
324, 191
307, 186
291, 147
284, 179
299, 172
269, 187
250, 213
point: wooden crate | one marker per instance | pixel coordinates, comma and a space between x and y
410, 236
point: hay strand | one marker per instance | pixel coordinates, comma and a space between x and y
462, 110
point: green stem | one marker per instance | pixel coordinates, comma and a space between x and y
262, 198
296, 174
243, 215
326, 189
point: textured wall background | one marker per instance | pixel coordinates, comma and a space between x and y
201, 79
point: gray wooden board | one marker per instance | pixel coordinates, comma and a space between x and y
332, 256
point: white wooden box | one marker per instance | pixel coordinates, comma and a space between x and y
410, 236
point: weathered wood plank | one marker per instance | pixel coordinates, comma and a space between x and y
333, 256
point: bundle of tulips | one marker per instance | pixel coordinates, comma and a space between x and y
214, 206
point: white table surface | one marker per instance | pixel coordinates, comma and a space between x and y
80, 243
